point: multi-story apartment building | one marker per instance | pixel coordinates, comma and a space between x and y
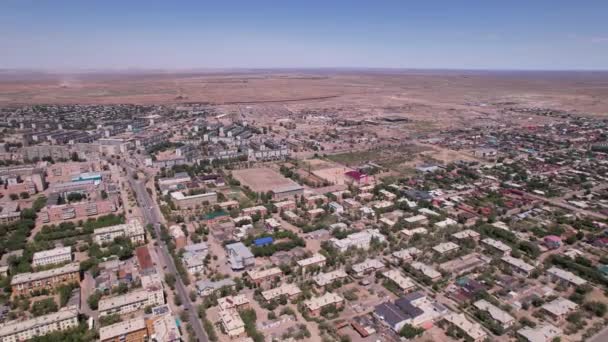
26, 283
52, 256
133, 330
150, 294
16, 331
133, 230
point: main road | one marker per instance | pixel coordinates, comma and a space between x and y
152, 216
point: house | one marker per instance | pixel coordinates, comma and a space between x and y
416, 220
323, 279
472, 330
466, 234
544, 332
366, 267
259, 277
361, 240
206, 287
445, 223
559, 308
233, 302
518, 265
445, 248
178, 236
426, 270
552, 241
316, 260
414, 308
316, 304
557, 275
289, 290
405, 283
232, 323
496, 245
500, 316
239, 256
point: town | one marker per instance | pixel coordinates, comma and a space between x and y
200, 222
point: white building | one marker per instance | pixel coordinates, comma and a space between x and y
52, 256
518, 265
541, 333
133, 230
150, 294
358, 240
473, 330
405, 283
16, 331
497, 314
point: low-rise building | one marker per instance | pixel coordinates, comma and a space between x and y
232, 323
565, 277
259, 277
445, 247
54, 256
289, 290
426, 270
496, 245
367, 266
233, 302
316, 260
206, 287
559, 308
502, 317
473, 331
544, 332
405, 283
518, 265
164, 329
151, 294
26, 283
316, 304
132, 330
323, 279
16, 331
133, 230
358, 240
239, 256
193, 201
466, 234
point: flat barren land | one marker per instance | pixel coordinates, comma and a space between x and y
424, 96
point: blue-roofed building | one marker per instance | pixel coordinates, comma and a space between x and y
264, 241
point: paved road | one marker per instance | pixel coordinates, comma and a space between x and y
152, 216
563, 204
601, 336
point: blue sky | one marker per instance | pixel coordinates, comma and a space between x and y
454, 34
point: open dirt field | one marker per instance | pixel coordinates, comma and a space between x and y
428, 95
262, 179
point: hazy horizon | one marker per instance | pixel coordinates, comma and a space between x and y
193, 35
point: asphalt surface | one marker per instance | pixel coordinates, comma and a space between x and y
152, 216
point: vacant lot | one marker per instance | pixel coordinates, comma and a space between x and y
262, 179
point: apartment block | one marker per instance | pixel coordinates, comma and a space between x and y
17, 331
26, 283
52, 256
133, 230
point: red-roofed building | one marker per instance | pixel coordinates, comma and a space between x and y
146, 265
356, 177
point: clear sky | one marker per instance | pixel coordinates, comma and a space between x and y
455, 34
